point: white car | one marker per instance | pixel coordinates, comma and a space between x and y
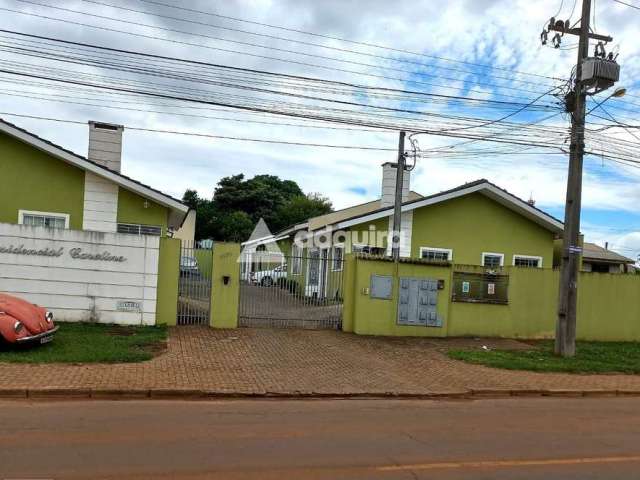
266, 278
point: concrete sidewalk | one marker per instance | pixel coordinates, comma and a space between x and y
202, 361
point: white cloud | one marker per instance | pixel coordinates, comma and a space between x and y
496, 32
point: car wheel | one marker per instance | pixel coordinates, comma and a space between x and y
266, 282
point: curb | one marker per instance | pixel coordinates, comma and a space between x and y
56, 393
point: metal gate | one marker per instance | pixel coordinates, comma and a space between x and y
194, 286
293, 291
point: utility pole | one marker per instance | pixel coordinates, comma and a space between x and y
565, 342
397, 208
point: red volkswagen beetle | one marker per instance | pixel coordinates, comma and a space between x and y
22, 322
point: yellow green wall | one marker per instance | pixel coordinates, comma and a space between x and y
608, 304
368, 316
474, 224
34, 180
131, 209
168, 277
225, 298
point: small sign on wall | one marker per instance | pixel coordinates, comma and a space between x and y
466, 287
128, 306
491, 289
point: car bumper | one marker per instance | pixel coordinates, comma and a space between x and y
43, 337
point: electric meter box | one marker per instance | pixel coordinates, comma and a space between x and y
600, 73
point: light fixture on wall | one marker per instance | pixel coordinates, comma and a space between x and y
146, 204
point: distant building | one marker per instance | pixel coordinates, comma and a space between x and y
603, 260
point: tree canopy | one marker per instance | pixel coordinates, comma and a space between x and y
239, 203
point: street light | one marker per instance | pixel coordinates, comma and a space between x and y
617, 93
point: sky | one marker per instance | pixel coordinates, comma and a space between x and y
500, 33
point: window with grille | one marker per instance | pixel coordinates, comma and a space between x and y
134, 229
43, 219
492, 260
296, 260
527, 261
436, 254
337, 258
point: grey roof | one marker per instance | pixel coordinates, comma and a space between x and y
594, 252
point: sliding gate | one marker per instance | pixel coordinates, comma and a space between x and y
194, 286
293, 291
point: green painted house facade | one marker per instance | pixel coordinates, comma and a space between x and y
46, 182
477, 224
80, 238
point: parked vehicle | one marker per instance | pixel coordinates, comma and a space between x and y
22, 322
189, 266
267, 278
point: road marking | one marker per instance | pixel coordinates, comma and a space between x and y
510, 463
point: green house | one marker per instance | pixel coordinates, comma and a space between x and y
80, 238
478, 224
44, 184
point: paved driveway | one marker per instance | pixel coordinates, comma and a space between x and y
290, 361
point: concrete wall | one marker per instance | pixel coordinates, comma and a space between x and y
608, 304
44, 266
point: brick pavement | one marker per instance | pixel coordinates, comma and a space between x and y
258, 361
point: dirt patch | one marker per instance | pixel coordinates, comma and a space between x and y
155, 349
121, 331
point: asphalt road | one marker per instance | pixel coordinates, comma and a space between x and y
541, 438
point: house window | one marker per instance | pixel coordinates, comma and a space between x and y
377, 251
492, 260
338, 258
43, 219
437, 254
527, 261
296, 260
135, 229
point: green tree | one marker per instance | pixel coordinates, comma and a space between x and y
302, 207
239, 203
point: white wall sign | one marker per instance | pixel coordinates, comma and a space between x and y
82, 275
54, 251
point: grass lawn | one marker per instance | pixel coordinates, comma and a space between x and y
91, 343
591, 357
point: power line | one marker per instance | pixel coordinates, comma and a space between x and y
274, 37
353, 42
207, 135
627, 4
266, 73
240, 52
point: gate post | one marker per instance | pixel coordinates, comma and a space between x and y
225, 285
348, 291
168, 278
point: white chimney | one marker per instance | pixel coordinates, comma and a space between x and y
105, 144
388, 198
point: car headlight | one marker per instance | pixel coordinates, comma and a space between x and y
18, 327
49, 317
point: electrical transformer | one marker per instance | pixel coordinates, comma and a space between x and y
600, 73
